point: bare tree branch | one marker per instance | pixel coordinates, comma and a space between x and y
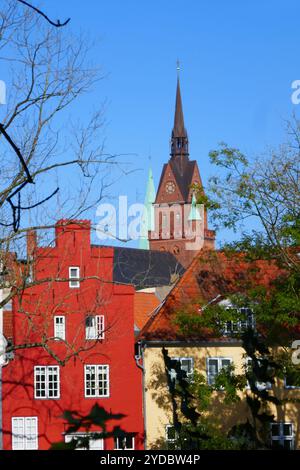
57, 24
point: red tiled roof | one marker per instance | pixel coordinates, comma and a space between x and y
212, 274
145, 304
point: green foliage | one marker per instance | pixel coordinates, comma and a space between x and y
266, 193
230, 384
201, 391
191, 399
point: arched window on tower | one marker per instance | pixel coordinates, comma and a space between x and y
164, 221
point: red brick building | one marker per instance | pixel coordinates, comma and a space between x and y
175, 231
81, 326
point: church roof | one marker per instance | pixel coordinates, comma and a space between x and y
183, 180
181, 166
145, 268
179, 129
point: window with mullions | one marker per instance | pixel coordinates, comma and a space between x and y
171, 437
214, 365
94, 327
259, 384
84, 441
74, 276
24, 433
186, 364
282, 436
292, 378
125, 442
244, 322
59, 327
96, 378
46, 382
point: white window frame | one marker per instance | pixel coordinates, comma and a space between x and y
47, 372
74, 282
290, 387
219, 366
94, 444
189, 375
283, 437
237, 326
117, 447
170, 441
96, 331
98, 369
59, 328
259, 385
24, 432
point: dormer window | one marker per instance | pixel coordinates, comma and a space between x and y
74, 276
244, 322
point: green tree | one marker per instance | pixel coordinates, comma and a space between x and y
265, 193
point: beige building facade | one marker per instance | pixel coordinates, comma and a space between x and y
207, 358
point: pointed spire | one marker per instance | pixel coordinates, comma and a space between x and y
194, 212
179, 139
147, 222
179, 130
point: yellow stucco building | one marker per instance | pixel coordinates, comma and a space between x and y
208, 355
205, 359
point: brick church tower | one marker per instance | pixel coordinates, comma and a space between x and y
180, 226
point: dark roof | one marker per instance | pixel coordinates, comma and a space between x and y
183, 175
184, 179
145, 268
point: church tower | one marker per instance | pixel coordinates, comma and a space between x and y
180, 226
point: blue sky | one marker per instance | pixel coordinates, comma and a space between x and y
238, 60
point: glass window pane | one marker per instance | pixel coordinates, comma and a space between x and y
288, 444
275, 429
213, 366
287, 430
171, 433
225, 363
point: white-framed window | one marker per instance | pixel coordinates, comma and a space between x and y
96, 381
46, 382
125, 442
74, 276
171, 437
292, 379
186, 364
91, 443
24, 433
60, 327
94, 327
214, 365
282, 436
246, 320
259, 385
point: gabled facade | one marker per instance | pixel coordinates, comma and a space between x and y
174, 231
74, 332
211, 277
